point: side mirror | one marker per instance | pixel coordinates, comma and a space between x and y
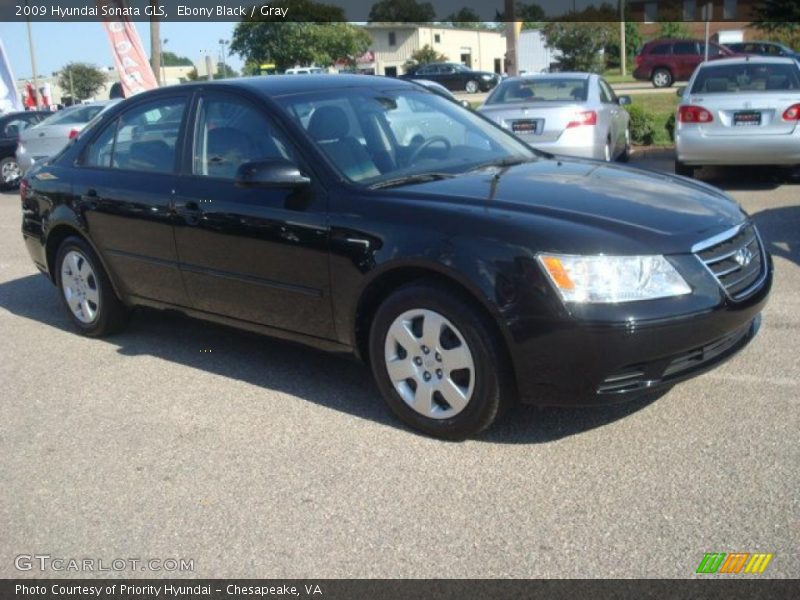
679, 92
272, 173
624, 100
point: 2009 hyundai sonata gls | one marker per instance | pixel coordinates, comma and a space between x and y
369, 216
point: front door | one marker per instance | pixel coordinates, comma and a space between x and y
254, 254
125, 183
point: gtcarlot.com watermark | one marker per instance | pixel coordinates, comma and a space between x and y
46, 562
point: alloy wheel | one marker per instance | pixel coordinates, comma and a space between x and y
472, 87
429, 363
80, 287
10, 172
661, 79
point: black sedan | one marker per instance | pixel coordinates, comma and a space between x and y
369, 216
11, 125
455, 77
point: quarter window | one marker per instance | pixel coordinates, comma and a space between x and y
230, 133
141, 139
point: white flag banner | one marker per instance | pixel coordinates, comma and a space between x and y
9, 97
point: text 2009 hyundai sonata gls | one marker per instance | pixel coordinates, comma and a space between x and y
369, 216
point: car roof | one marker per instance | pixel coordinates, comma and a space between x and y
743, 60
282, 85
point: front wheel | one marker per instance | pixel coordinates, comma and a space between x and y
9, 172
86, 290
472, 87
437, 362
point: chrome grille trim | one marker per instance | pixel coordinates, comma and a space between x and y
759, 274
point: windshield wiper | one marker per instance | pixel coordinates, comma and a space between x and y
414, 178
508, 161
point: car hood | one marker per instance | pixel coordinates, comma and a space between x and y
662, 211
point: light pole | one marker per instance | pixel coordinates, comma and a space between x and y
623, 53
163, 66
222, 44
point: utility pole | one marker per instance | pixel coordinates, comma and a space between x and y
512, 66
33, 60
161, 58
71, 87
623, 49
707, 9
155, 42
222, 44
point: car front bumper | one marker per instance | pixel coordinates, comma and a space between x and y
693, 147
583, 364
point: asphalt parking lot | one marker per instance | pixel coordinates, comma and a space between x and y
255, 457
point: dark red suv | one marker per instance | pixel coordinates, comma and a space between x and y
666, 60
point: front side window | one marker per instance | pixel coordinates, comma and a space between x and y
229, 133
372, 136
747, 77
545, 89
142, 139
607, 94
661, 49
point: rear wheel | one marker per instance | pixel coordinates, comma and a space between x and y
662, 78
86, 290
472, 86
437, 362
683, 169
626, 153
9, 172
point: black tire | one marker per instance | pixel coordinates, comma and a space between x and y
493, 388
626, 153
6, 163
112, 314
683, 169
662, 78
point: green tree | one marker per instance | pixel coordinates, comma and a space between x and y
780, 19
170, 59
580, 43
225, 71
633, 41
673, 29
85, 82
426, 54
409, 11
298, 43
466, 18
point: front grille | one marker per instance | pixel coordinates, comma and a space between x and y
737, 261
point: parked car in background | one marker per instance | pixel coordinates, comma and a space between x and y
11, 126
763, 49
454, 76
739, 111
468, 270
305, 71
51, 135
438, 88
575, 114
666, 61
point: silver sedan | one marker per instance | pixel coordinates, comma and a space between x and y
739, 111
51, 135
576, 114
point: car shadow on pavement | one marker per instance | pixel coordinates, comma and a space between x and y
780, 231
330, 380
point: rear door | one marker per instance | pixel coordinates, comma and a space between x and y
125, 184
251, 253
686, 56
616, 116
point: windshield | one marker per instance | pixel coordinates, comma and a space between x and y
747, 77
553, 89
74, 115
372, 135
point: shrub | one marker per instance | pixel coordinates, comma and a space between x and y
670, 127
642, 125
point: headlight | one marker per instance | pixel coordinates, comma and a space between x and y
610, 279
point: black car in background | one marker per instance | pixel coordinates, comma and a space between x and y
454, 76
11, 125
366, 215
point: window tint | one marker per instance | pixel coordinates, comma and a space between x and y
555, 89
230, 133
747, 78
684, 48
660, 49
141, 139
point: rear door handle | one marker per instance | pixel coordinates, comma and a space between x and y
189, 210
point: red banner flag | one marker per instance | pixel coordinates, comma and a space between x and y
135, 73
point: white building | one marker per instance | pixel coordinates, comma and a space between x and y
393, 44
533, 54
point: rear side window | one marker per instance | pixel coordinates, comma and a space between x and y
142, 139
684, 48
660, 49
747, 77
